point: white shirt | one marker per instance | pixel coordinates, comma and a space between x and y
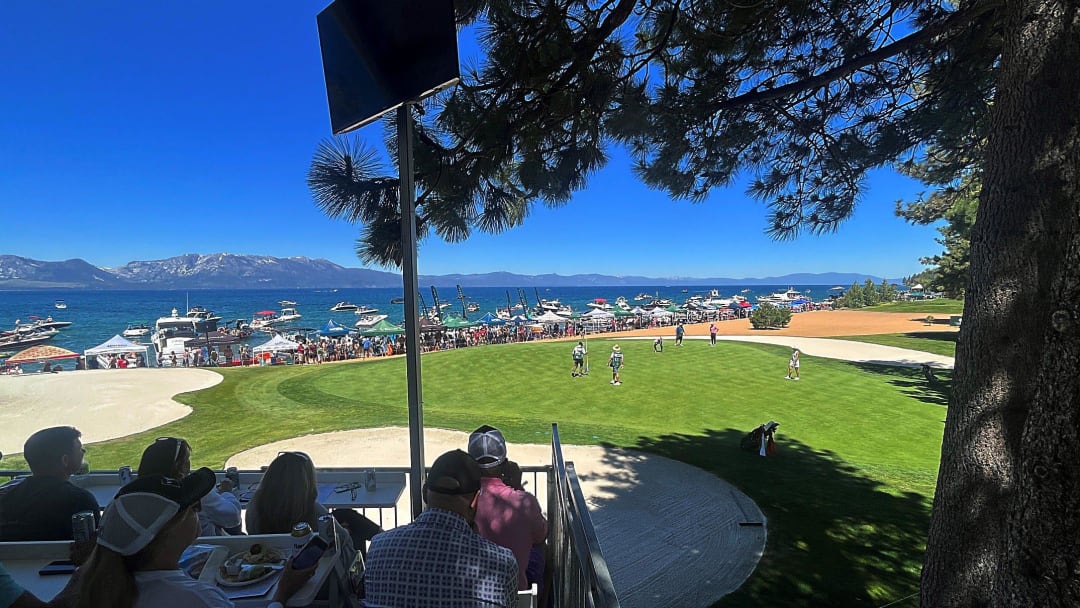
218, 511
174, 589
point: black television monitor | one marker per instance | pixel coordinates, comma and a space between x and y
379, 54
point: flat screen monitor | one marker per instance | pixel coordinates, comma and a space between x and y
379, 54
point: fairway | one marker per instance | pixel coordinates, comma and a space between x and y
847, 495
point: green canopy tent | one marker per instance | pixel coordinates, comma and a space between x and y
618, 312
457, 323
382, 328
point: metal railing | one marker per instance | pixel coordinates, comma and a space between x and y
580, 574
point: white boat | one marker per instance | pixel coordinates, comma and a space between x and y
39, 324
369, 320
286, 303
289, 314
201, 312
599, 303
188, 328
622, 303
642, 296
472, 307
266, 319
783, 297
60, 304
136, 330
343, 307
365, 310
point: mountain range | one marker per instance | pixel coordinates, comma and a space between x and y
232, 271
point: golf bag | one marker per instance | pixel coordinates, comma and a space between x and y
760, 440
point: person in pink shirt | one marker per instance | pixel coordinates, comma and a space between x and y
505, 513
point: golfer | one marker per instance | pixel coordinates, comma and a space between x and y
793, 365
578, 354
615, 362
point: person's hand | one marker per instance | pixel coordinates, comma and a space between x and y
291, 581
512, 475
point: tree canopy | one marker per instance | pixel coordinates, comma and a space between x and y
807, 95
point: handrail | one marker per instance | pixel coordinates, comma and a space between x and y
580, 572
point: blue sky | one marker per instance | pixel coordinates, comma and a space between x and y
143, 130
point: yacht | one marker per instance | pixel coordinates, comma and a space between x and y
600, 303
783, 297
344, 307
642, 297
60, 304
201, 312
622, 303
174, 331
365, 310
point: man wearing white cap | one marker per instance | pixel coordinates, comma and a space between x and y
615, 362
505, 513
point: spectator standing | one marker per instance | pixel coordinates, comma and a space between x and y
679, 331
40, 506
219, 510
712, 334
438, 559
505, 513
793, 365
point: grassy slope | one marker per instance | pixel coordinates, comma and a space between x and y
944, 306
847, 497
937, 342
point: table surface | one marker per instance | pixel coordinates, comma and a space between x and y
339, 488
23, 560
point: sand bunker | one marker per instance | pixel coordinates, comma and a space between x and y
103, 404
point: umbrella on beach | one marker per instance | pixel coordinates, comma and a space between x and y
42, 353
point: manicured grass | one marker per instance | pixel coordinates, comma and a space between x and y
945, 306
937, 342
847, 496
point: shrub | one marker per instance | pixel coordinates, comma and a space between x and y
768, 316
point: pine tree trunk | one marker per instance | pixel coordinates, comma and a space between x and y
1005, 529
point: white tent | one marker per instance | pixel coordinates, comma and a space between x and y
278, 344
660, 312
550, 317
597, 313
118, 345
637, 310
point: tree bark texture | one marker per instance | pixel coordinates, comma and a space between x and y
1005, 529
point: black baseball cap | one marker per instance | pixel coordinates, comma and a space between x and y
454, 473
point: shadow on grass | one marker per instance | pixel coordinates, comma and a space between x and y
941, 336
835, 536
913, 383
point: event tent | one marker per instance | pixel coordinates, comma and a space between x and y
550, 317
118, 345
458, 323
597, 313
277, 344
333, 330
491, 319
382, 328
661, 313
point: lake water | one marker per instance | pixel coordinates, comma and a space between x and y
99, 315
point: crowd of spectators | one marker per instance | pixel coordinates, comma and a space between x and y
479, 542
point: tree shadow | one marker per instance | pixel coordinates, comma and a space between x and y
941, 336
836, 537
912, 381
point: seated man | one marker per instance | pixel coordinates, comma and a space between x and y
40, 507
505, 513
438, 560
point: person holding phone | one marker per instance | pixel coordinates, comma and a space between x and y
143, 533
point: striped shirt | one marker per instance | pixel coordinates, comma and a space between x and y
439, 561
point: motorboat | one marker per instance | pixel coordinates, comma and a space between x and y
472, 307
39, 324
642, 297
397, 300
19, 341
286, 303
783, 297
369, 321
289, 314
365, 310
621, 303
201, 312
344, 307
599, 303
60, 305
136, 330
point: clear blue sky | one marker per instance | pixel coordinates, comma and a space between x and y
143, 130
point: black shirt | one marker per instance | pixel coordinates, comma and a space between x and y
40, 508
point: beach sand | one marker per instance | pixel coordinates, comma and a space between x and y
103, 404
816, 324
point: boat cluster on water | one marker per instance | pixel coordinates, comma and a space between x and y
27, 334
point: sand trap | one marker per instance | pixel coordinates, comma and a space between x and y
103, 404
651, 533
818, 324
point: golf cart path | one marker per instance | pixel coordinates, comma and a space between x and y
829, 348
651, 529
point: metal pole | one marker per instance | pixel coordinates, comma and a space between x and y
412, 310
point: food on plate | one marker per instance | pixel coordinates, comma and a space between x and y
254, 564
